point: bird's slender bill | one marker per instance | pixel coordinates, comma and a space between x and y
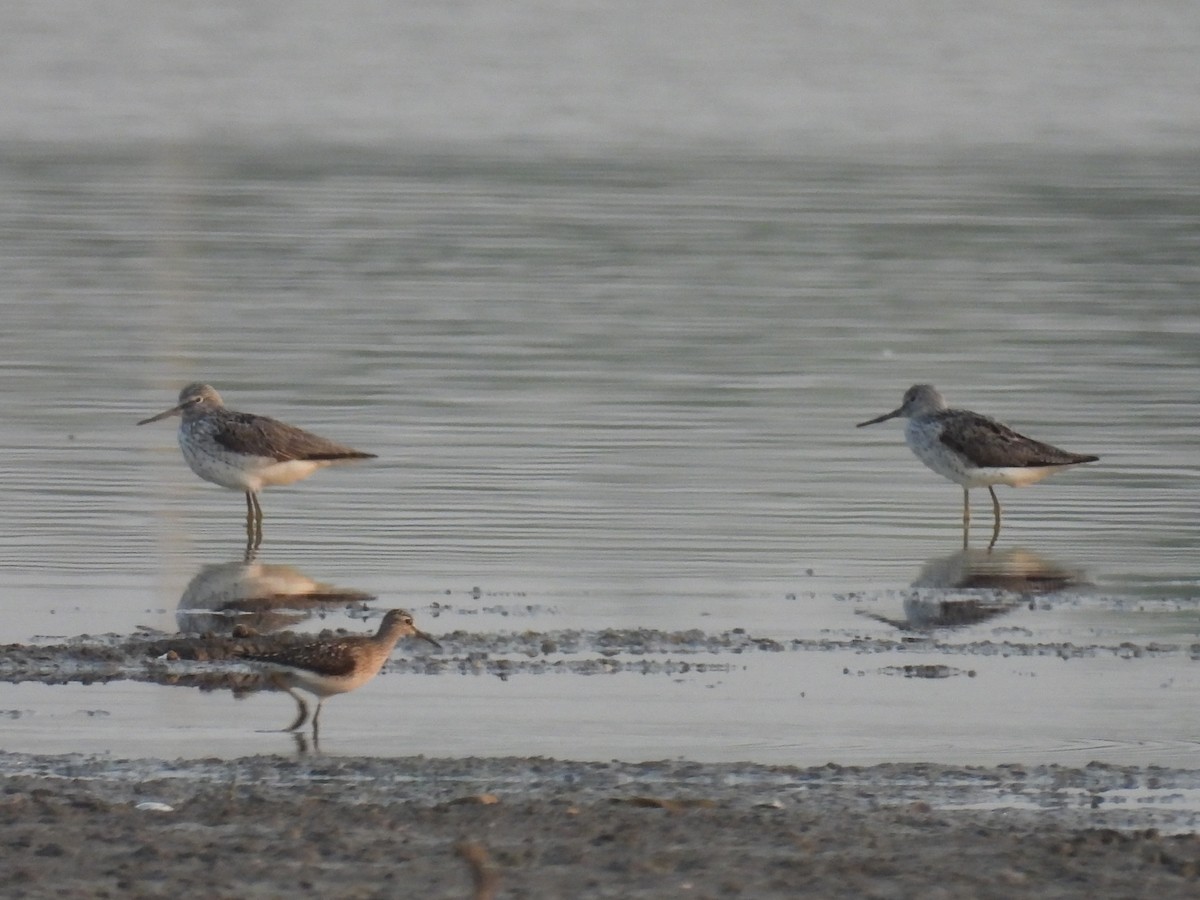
423, 636
173, 411
876, 420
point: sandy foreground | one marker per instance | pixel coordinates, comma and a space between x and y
74, 826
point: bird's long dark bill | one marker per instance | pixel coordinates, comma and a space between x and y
883, 418
173, 411
423, 636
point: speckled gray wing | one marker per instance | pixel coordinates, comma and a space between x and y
332, 659
251, 435
990, 444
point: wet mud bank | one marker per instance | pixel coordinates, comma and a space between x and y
313, 825
531, 827
214, 660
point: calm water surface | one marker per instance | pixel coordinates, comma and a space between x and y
611, 393
574, 371
610, 340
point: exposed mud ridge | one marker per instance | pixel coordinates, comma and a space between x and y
214, 660
534, 827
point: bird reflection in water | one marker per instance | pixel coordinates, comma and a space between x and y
1015, 571
1000, 582
334, 665
262, 596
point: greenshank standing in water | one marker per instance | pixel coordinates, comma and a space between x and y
974, 450
245, 452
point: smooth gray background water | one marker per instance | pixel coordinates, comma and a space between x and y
606, 287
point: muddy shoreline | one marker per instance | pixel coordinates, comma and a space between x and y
529, 827
213, 660
363, 827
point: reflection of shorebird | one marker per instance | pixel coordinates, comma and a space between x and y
263, 596
999, 581
1014, 571
924, 613
973, 450
245, 452
337, 665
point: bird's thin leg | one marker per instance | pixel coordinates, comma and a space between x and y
301, 711
317, 715
996, 513
966, 516
254, 518
249, 522
258, 520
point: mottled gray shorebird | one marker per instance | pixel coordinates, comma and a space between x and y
337, 665
245, 452
974, 450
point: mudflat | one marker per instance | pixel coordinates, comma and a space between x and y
311, 824
270, 826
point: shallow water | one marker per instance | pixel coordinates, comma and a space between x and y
858, 679
624, 395
612, 388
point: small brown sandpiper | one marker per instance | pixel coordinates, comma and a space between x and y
337, 665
